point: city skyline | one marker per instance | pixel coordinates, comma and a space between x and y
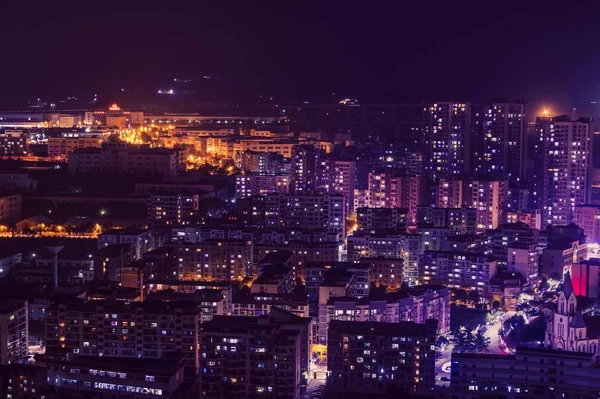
300, 200
374, 55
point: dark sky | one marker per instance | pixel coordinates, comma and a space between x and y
544, 52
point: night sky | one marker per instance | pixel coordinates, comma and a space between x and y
544, 52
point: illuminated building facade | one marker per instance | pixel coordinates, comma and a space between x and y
108, 377
169, 208
14, 331
531, 218
567, 329
503, 136
416, 304
13, 142
248, 356
148, 330
448, 133
341, 179
388, 190
215, 259
457, 220
587, 217
254, 184
489, 198
585, 276
264, 162
371, 357
304, 169
449, 193
385, 272
523, 258
529, 373
309, 212
140, 240
462, 270
65, 145
562, 165
382, 219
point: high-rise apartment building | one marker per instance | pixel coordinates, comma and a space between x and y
448, 133
562, 167
449, 193
342, 180
389, 190
14, 331
489, 198
249, 357
376, 357
502, 130
304, 169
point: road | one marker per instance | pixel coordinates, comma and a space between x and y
493, 333
495, 347
442, 357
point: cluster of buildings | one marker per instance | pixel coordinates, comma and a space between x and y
299, 254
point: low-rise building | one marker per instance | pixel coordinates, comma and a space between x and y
13, 142
140, 240
10, 208
108, 377
64, 145
385, 272
129, 160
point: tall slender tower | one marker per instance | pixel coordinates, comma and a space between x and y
54, 250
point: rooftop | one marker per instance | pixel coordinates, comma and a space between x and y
165, 366
402, 329
277, 257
